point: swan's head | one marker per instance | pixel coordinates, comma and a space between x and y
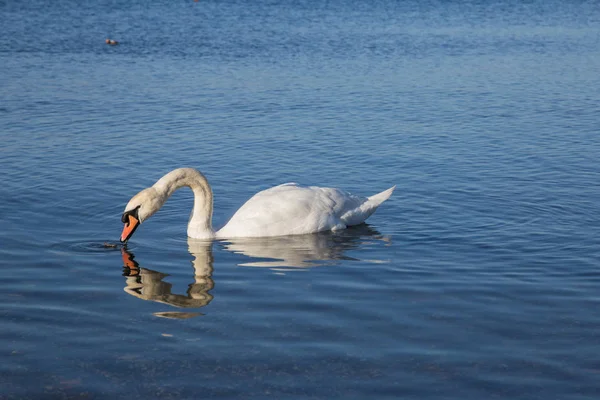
141, 207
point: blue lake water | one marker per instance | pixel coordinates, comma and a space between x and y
479, 278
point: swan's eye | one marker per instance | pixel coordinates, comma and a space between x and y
133, 212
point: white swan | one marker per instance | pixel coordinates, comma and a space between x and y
287, 209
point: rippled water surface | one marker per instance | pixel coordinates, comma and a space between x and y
478, 279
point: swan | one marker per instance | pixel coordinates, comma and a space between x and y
288, 209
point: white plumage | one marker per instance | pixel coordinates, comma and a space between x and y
291, 209
288, 209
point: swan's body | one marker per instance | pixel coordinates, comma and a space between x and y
288, 209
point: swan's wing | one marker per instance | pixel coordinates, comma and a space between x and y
291, 209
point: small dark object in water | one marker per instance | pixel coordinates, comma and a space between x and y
110, 245
112, 42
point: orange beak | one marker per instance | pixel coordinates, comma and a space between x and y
130, 227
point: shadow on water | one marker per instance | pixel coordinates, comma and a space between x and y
288, 252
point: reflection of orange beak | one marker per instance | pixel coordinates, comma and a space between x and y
128, 260
130, 227
130, 266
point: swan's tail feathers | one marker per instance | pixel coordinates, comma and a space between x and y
379, 198
364, 211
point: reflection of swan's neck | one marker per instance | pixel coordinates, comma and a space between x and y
200, 225
203, 258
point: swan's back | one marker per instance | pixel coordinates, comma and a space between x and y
291, 209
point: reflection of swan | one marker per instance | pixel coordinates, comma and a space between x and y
149, 285
288, 209
286, 251
302, 250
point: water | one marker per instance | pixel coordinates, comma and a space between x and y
478, 279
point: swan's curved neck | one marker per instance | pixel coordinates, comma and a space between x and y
200, 225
